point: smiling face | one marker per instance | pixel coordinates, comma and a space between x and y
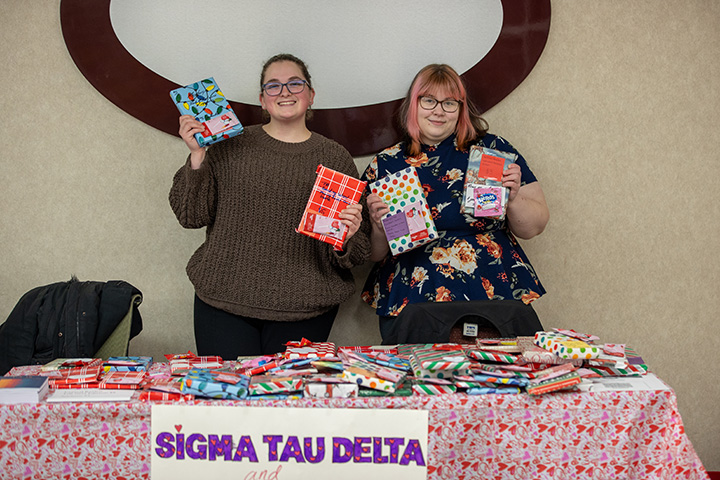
286, 106
436, 125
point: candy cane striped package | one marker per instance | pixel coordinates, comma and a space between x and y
409, 223
434, 363
331, 194
432, 389
483, 356
266, 384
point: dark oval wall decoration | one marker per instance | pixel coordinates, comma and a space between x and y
142, 93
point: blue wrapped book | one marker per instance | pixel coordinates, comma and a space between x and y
215, 384
127, 364
204, 101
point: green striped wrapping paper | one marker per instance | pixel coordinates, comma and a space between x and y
483, 356
433, 363
266, 384
432, 389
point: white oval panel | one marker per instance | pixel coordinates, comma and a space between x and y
358, 53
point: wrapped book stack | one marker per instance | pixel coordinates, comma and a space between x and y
548, 362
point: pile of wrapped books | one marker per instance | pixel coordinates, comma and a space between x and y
548, 362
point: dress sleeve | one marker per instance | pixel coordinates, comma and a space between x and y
193, 195
526, 175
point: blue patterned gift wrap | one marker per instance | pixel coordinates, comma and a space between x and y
204, 101
205, 383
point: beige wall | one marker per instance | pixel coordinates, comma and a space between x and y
619, 121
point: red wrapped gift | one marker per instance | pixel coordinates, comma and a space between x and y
307, 349
331, 194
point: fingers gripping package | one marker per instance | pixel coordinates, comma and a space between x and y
204, 101
409, 223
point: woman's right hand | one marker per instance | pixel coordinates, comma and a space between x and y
189, 126
377, 208
379, 246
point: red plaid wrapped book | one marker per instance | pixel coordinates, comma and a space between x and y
83, 377
182, 364
122, 380
331, 193
307, 349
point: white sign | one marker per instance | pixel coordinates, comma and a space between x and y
262, 443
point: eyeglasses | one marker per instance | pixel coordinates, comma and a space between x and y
275, 88
448, 106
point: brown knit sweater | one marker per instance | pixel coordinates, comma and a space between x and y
250, 193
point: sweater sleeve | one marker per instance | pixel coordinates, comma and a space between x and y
356, 250
193, 196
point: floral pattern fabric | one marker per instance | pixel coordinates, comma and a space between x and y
473, 258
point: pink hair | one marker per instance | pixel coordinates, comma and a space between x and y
432, 79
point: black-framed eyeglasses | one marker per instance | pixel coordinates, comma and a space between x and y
275, 88
449, 106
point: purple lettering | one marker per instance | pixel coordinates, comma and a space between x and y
201, 452
360, 450
245, 449
220, 447
292, 450
320, 455
342, 449
163, 441
272, 441
180, 446
378, 457
413, 453
394, 444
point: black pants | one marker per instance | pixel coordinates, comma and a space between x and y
218, 332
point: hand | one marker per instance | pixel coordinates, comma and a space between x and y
351, 217
189, 126
377, 209
511, 180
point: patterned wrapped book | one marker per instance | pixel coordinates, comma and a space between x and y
219, 385
307, 349
204, 101
485, 168
331, 194
430, 362
409, 223
268, 384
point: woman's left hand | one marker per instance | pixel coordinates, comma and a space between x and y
511, 180
351, 217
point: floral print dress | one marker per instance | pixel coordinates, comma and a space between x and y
473, 258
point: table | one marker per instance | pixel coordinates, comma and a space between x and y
570, 435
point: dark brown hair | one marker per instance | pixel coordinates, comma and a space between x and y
286, 57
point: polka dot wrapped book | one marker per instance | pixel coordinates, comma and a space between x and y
409, 223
